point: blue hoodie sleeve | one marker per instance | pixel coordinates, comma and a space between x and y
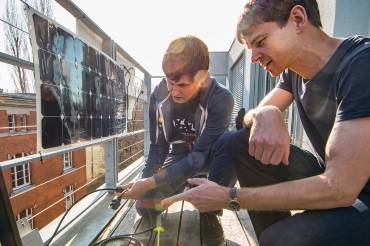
219, 115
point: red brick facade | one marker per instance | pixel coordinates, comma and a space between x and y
48, 179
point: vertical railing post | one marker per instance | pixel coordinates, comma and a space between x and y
9, 233
110, 160
147, 80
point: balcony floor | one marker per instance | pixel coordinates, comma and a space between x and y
181, 223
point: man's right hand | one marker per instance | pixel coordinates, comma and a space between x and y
269, 140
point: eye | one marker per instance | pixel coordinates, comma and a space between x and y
261, 42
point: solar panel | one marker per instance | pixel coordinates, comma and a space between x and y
82, 92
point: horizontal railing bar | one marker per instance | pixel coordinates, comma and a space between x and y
127, 178
49, 181
15, 61
134, 171
16, 127
119, 164
10, 24
81, 16
119, 150
41, 155
62, 199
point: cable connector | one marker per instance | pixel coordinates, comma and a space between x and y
119, 189
116, 202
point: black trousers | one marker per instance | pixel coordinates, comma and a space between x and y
218, 167
312, 227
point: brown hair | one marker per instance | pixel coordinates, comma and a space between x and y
258, 11
185, 55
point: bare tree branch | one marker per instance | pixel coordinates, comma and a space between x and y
45, 7
17, 42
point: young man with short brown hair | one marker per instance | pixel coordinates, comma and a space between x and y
189, 115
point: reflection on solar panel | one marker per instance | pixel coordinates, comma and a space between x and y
82, 90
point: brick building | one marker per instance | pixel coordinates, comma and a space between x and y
35, 188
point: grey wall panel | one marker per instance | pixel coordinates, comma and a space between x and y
352, 17
237, 86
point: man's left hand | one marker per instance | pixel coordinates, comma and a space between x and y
206, 196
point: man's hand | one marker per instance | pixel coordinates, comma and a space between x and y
269, 140
206, 196
135, 190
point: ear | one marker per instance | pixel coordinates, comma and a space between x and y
200, 77
299, 17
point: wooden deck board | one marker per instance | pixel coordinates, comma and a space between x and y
246, 223
233, 231
237, 227
120, 227
142, 225
190, 226
170, 223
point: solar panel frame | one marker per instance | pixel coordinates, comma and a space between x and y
79, 89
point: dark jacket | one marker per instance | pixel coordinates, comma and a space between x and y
211, 119
239, 119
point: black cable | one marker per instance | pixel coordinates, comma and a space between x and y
65, 214
127, 72
104, 241
121, 237
179, 228
124, 236
150, 238
108, 222
128, 83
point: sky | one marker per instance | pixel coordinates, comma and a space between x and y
145, 28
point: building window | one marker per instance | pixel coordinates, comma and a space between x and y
20, 174
69, 196
11, 122
67, 160
27, 213
24, 122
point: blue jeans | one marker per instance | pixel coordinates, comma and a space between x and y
339, 226
218, 167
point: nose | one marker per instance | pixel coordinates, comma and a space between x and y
175, 90
256, 56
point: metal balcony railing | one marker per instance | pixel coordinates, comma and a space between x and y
119, 151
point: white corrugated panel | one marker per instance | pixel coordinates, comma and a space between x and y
237, 87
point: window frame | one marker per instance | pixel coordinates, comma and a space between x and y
26, 173
28, 215
67, 161
23, 122
69, 198
11, 123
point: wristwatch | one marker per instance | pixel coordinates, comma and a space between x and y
233, 203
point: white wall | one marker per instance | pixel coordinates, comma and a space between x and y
327, 13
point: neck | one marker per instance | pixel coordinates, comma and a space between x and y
316, 50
